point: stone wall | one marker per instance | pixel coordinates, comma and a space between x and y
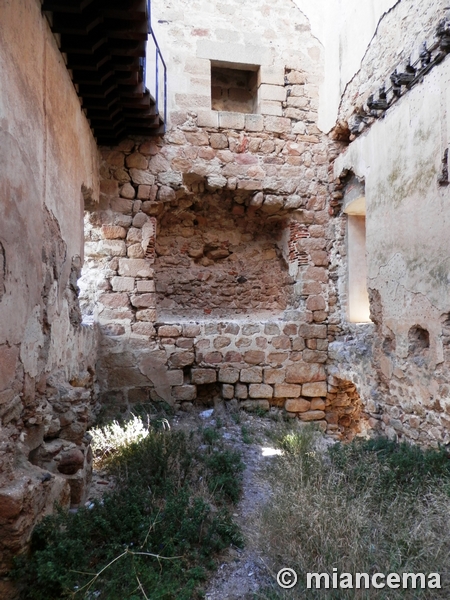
399, 362
49, 164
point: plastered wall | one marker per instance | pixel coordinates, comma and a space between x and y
48, 162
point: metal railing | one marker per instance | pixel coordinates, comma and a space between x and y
159, 87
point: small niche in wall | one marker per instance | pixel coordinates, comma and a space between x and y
234, 88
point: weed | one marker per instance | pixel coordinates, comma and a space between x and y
155, 536
246, 435
365, 506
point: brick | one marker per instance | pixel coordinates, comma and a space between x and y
169, 331
297, 405
122, 284
143, 300
182, 359
231, 120
241, 391
305, 373
315, 389
287, 390
144, 285
251, 375
254, 357
274, 375
227, 391
203, 376
260, 390
228, 375
184, 392
135, 267
312, 415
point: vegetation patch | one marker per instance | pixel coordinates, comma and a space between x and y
372, 506
155, 536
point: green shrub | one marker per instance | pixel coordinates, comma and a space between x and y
155, 536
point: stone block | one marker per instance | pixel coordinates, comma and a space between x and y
135, 267
275, 93
281, 342
208, 118
143, 300
113, 248
287, 390
144, 192
273, 75
251, 375
184, 392
317, 404
143, 328
110, 187
254, 357
213, 358
309, 331
169, 331
136, 161
227, 391
260, 390
114, 232
271, 329
314, 356
145, 285
182, 359
203, 376
218, 141
297, 405
228, 375
277, 124
305, 373
221, 342
269, 108
274, 375
232, 357
122, 205
128, 191
314, 389
191, 331
312, 415
250, 329
122, 284
254, 122
240, 391
135, 251
231, 120
186, 343
175, 377
139, 220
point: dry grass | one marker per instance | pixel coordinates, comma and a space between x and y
348, 511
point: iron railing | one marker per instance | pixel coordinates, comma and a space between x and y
159, 91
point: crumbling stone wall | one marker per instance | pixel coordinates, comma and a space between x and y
47, 358
399, 361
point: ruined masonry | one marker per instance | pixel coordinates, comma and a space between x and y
266, 229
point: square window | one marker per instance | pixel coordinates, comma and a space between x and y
234, 88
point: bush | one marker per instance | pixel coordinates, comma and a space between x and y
155, 536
